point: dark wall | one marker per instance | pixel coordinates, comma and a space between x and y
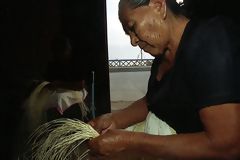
206, 8
27, 29
85, 23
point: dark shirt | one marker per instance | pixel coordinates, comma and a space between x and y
205, 73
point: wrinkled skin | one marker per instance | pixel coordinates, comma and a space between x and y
146, 29
111, 142
114, 143
103, 123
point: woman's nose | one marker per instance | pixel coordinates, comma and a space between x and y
134, 40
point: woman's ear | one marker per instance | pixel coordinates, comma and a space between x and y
160, 6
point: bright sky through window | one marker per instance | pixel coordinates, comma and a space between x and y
119, 46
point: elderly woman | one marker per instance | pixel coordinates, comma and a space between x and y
194, 86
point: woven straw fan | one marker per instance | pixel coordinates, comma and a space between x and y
60, 139
66, 139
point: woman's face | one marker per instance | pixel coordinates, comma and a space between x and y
146, 28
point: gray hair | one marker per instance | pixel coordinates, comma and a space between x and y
133, 3
172, 5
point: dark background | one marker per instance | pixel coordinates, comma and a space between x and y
26, 30
206, 8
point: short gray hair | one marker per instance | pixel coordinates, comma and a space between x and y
172, 5
133, 3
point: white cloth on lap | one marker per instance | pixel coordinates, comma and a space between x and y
152, 125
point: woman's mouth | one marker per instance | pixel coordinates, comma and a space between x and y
143, 47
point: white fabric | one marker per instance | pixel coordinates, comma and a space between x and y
156, 126
63, 99
152, 125
42, 99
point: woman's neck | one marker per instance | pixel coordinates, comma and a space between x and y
177, 25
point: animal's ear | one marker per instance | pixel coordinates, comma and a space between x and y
160, 6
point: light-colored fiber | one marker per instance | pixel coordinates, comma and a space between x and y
66, 139
60, 139
34, 107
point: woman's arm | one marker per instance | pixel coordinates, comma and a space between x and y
133, 114
220, 140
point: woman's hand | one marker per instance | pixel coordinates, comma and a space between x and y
103, 123
112, 142
135, 113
